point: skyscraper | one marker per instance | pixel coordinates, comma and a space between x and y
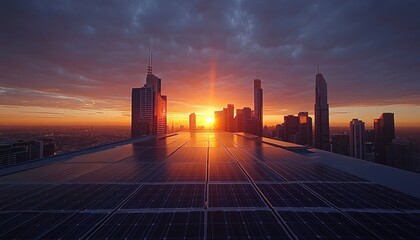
305, 128
148, 107
357, 139
384, 133
322, 125
229, 117
192, 125
258, 106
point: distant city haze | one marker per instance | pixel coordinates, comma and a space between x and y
75, 62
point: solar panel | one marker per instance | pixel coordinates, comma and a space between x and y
167, 196
290, 195
396, 199
200, 185
118, 172
35, 226
75, 197
390, 225
259, 172
234, 195
324, 225
342, 195
302, 171
244, 225
172, 225
221, 172
178, 172
76, 226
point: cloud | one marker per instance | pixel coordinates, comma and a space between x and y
88, 55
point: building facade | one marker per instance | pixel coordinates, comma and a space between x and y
322, 125
384, 134
193, 122
148, 108
258, 106
357, 139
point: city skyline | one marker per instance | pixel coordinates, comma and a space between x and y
83, 75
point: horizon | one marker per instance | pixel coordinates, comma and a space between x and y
84, 74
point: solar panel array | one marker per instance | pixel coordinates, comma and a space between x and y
200, 186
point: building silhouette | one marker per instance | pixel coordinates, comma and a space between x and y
239, 120
148, 107
357, 139
193, 122
296, 129
384, 134
258, 106
229, 118
322, 125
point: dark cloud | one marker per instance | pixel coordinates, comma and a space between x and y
89, 54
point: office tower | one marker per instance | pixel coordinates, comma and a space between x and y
219, 120
322, 125
258, 106
239, 120
384, 133
291, 128
357, 139
148, 107
193, 125
305, 129
229, 118
340, 144
402, 154
250, 123
280, 131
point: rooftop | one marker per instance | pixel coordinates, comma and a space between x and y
208, 185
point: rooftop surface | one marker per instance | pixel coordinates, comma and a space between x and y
207, 185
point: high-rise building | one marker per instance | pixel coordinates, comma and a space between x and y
250, 123
239, 120
305, 129
229, 118
291, 128
219, 120
322, 125
193, 123
357, 139
148, 107
384, 134
258, 106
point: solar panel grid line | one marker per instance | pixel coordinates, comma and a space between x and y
389, 225
397, 200
206, 190
267, 203
93, 230
341, 211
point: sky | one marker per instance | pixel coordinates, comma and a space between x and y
75, 62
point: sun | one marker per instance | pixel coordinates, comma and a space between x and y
209, 121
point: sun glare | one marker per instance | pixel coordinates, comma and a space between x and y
210, 121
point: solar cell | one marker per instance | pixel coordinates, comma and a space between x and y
178, 172
118, 172
167, 196
75, 227
220, 155
290, 195
150, 155
396, 199
189, 154
33, 227
221, 172
324, 225
343, 196
389, 225
75, 197
244, 225
234, 195
259, 172
11, 193
176, 225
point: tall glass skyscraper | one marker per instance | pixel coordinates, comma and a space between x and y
322, 123
148, 107
258, 106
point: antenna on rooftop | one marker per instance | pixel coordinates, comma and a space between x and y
149, 67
